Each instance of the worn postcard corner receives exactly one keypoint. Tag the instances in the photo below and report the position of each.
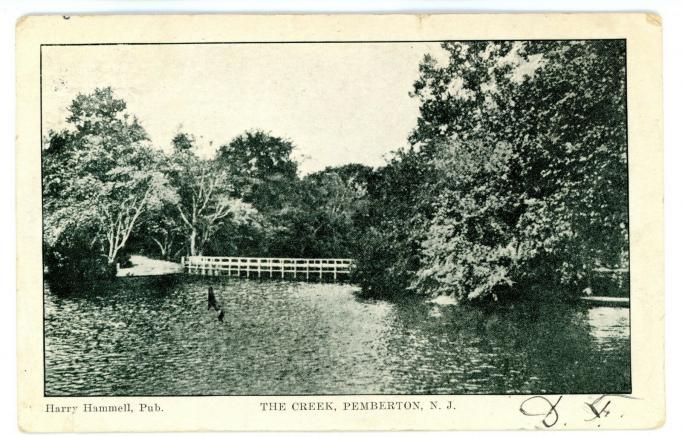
(340, 222)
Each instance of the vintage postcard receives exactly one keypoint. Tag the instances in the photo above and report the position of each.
(339, 222)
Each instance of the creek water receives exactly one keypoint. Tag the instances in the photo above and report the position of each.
(141, 337)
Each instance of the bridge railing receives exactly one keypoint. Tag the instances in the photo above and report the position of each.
(267, 266)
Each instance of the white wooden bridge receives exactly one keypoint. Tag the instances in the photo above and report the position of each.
(273, 267)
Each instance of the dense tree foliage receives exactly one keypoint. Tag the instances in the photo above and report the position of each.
(330, 207)
(262, 169)
(206, 195)
(514, 185)
(521, 148)
(99, 177)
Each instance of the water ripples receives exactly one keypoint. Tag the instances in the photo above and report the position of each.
(141, 338)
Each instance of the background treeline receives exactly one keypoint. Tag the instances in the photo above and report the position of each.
(514, 185)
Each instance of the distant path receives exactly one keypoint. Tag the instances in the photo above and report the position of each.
(144, 266)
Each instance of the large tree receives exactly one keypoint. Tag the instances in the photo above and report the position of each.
(263, 171)
(206, 195)
(530, 138)
(100, 175)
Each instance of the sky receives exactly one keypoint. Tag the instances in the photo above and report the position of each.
(337, 103)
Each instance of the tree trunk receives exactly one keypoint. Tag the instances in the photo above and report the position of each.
(163, 247)
(193, 243)
(112, 270)
(111, 258)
